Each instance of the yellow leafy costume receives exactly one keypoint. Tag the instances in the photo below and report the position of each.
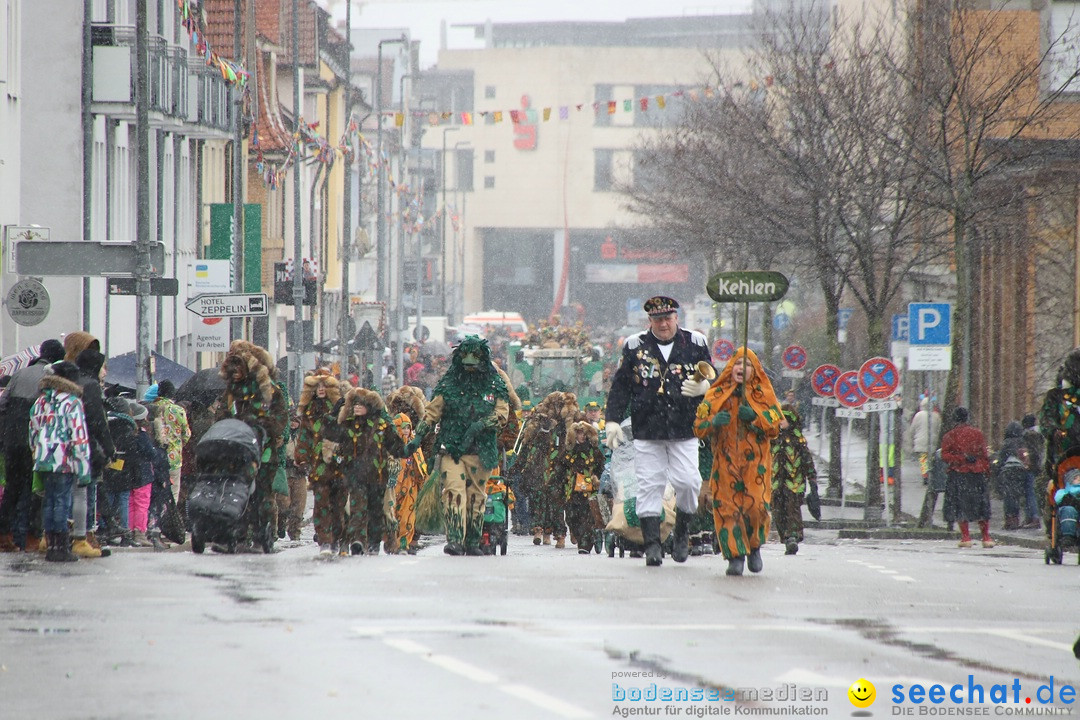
(741, 475)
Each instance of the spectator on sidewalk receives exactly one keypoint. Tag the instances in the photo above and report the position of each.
(964, 450)
(1036, 445)
(921, 438)
(61, 450)
(1012, 473)
(20, 510)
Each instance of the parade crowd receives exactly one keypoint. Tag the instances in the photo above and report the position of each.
(715, 458)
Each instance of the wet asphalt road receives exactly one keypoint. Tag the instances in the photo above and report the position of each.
(540, 633)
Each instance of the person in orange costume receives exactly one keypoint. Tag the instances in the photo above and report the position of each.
(738, 418)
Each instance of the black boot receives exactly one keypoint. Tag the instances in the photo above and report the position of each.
(650, 534)
(735, 565)
(680, 541)
(62, 553)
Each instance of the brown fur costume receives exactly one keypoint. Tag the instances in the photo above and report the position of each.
(312, 382)
(586, 459)
(255, 364)
(365, 445)
(407, 399)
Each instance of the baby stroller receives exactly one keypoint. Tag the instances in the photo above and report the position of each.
(496, 517)
(228, 458)
(1063, 493)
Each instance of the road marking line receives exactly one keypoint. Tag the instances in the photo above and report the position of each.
(903, 578)
(888, 572)
(876, 567)
(460, 667)
(479, 675)
(1015, 635)
(545, 701)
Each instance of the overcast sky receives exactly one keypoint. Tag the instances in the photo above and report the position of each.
(424, 17)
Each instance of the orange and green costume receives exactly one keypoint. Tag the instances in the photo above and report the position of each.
(741, 475)
(410, 480)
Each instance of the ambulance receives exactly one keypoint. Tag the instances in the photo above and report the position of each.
(513, 322)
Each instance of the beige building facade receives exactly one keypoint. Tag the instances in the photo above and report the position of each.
(539, 223)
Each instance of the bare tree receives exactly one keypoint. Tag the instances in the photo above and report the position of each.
(983, 97)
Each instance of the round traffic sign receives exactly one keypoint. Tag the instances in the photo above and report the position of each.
(848, 391)
(723, 349)
(823, 381)
(878, 377)
(28, 302)
(794, 357)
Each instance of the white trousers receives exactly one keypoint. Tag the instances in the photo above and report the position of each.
(658, 462)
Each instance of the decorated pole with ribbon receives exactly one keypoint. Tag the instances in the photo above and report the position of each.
(746, 286)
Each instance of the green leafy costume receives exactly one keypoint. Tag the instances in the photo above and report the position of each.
(469, 404)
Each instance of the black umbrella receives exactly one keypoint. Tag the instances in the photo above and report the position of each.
(202, 388)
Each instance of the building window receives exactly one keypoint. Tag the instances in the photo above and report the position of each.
(489, 92)
(489, 156)
(652, 115)
(603, 169)
(645, 178)
(464, 165)
(489, 182)
(604, 95)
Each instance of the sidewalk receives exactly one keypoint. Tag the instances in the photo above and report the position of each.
(850, 519)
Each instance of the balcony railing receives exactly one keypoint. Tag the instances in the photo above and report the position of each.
(179, 86)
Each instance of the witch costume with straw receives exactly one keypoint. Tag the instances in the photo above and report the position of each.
(469, 404)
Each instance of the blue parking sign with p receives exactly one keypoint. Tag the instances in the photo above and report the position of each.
(900, 328)
(929, 323)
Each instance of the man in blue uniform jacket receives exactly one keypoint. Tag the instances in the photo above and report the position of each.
(656, 381)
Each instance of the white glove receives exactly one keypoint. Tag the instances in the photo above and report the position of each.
(694, 388)
(615, 436)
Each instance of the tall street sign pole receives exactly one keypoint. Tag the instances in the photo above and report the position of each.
(142, 214)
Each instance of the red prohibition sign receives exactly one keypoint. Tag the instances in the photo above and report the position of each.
(848, 391)
(823, 380)
(723, 349)
(878, 377)
(794, 357)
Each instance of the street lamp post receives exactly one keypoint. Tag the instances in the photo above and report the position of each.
(459, 304)
(346, 241)
(445, 217)
(380, 176)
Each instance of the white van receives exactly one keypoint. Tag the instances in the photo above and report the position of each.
(513, 322)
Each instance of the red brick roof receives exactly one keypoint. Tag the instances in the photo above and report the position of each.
(273, 135)
(273, 23)
(219, 26)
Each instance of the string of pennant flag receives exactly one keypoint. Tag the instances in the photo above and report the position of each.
(306, 141)
(565, 112)
(193, 18)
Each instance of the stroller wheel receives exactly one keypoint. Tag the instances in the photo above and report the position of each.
(198, 542)
(1046, 556)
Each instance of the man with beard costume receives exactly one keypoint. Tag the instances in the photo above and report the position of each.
(469, 404)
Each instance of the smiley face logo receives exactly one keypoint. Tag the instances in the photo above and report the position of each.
(862, 693)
